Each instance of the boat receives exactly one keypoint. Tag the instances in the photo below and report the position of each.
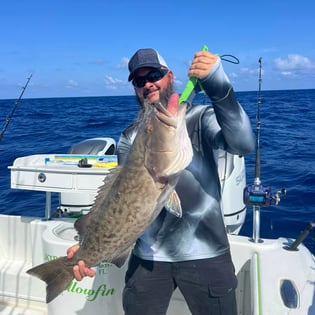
(275, 276)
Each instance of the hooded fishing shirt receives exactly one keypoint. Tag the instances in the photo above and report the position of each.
(200, 232)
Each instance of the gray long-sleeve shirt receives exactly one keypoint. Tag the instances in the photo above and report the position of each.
(200, 232)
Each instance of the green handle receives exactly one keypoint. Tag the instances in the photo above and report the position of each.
(190, 85)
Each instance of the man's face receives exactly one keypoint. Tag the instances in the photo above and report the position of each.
(154, 91)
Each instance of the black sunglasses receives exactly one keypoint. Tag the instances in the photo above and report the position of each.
(152, 76)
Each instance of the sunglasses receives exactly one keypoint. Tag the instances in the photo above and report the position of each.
(152, 76)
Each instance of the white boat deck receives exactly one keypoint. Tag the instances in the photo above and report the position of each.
(261, 268)
(271, 279)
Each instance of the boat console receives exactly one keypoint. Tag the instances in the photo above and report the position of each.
(77, 175)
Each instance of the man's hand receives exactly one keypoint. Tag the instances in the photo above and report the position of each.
(80, 270)
(202, 64)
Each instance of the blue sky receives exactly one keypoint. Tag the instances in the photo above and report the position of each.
(81, 48)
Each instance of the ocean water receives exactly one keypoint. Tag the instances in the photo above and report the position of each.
(287, 141)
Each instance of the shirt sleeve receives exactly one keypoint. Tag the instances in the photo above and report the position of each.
(235, 133)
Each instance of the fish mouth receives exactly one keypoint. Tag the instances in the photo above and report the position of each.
(168, 150)
(163, 115)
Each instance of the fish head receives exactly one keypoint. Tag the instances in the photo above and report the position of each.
(168, 147)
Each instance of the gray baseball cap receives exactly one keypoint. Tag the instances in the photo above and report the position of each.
(147, 57)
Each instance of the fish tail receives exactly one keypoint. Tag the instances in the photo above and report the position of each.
(56, 273)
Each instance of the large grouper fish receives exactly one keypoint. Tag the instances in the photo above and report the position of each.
(132, 195)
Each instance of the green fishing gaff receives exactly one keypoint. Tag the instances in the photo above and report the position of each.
(190, 85)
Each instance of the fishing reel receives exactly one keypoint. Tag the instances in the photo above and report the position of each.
(259, 195)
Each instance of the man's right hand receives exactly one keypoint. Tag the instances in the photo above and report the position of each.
(80, 270)
(202, 64)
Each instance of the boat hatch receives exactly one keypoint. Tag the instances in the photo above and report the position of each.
(289, 293)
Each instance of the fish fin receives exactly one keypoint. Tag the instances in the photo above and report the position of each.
(104, 189)
(83, 223)
(173, 205)
(121, 258)
(56, 273)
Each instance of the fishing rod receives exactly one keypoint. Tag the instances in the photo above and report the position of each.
(9, 117)
(258, 125)
(256, 194)
(294, 246)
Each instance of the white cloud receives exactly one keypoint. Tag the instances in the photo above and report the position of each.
(178, 82)
(287, 73)
(249, 71)
(112, 83)
(111, 80)
(123, 63)
(245, 70)
(294, 65)
(233, 75)
(71, 84)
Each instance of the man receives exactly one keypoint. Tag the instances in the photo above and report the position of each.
(191, 253)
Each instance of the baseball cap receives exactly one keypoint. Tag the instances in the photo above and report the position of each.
(146, 57)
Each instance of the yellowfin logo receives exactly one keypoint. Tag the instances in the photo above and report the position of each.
(91, 294)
